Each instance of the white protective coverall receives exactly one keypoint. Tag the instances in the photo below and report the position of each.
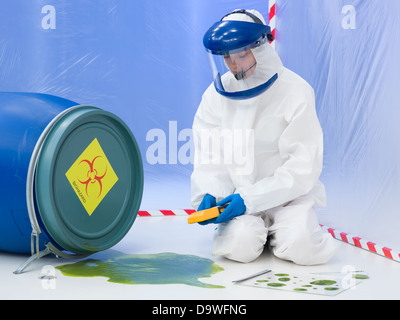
(280, 142)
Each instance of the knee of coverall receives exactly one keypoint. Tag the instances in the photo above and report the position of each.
(303, 248)
(247, 236)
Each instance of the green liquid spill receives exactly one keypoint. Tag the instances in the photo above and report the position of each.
(162, 268)
(331, 289)
(281, 275)
(360, 276)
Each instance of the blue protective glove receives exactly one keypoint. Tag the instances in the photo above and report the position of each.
(207, 203)
(235, 208)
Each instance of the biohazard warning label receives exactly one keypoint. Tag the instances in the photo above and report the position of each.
(91, 176)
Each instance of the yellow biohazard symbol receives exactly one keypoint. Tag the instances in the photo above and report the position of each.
(91, 176)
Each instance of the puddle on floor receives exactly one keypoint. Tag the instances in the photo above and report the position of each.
(161, 268)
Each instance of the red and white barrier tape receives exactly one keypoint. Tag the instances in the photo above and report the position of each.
(363, 244)
(272, 19)
(164, 213)
(342, 236)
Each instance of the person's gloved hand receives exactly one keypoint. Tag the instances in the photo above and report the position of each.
(235, 208)
(207, 203)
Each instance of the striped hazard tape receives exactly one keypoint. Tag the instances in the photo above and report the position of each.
(272, 19)
(363, 244)
(342, 236)
(165, 213)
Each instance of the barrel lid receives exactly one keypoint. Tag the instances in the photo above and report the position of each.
(89, 180)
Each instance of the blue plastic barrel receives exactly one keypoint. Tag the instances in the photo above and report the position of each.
(87, 177)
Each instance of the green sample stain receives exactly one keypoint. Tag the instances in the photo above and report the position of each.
(284, 279)
(323, 282)
(161, 268)
(331, 288)
(276, 284)
(300, 289)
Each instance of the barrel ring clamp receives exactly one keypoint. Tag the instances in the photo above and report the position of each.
(36, 254)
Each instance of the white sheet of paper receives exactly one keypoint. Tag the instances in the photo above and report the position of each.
(328, 285)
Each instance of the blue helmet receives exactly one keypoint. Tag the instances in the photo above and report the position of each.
(226, 37)
(233, 42)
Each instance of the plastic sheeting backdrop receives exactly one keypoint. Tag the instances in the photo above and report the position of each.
(144, 61)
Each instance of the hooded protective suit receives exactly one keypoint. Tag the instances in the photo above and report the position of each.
(269, 150)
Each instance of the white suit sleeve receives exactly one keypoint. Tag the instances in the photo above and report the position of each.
(301, 149)
(210, 175)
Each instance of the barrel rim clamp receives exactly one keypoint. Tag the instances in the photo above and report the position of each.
(36, 254)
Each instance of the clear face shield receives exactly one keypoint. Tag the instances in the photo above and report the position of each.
(231, 48)
(241, 64)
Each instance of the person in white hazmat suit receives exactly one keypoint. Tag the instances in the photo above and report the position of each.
(258, 149)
